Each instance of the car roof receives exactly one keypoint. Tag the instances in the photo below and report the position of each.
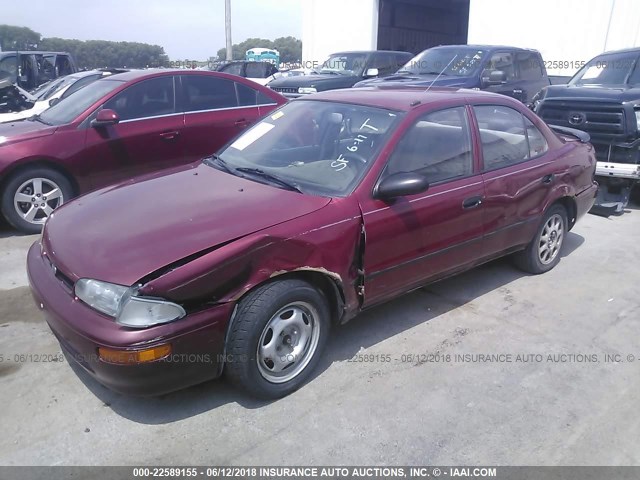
(155, 72)
(624, 50)
(488, 47)
(400, 98)
(351, 52)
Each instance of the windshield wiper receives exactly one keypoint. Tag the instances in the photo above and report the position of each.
(433, 73)
(215, 161)
(270, 177)
(38, 119)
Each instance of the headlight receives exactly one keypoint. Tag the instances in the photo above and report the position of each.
(122, 303)
(307, 90)
(104, 297)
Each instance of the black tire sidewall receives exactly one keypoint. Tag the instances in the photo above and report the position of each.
(17, 179)
(251, 378)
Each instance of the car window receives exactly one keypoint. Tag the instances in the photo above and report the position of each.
(82, 82)
(503, 61)
(265, 100)
(502, 132)
(529, 66)
(9, 68)
(208, 93)
(149, 98)
(233, 69)
(438, 146)
(323, 147)
(247, 96)
(67, 111)
(537, 143)
(384, 62)
(256, 70)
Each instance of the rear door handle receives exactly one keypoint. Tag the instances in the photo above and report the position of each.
(471, 202)
(242, 123)
(169, 135)
(547, 179)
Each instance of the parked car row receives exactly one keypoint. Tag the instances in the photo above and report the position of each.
(171, 269)
(118, 127)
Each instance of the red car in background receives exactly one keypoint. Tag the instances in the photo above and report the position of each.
(331, 205)
(117, 128)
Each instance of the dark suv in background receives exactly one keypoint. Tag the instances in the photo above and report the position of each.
(31, 69)
(515, 72)
(342, 70)
(603, 99)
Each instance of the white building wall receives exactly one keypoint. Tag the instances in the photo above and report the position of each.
(331, 26)
(562, 30)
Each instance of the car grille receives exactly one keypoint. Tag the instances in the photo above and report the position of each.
(597, 119)
(285, 89)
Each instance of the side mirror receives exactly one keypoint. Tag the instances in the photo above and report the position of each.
(402, 184)
(493, 77)
(105, 118)
(53, 101)
(371, 72)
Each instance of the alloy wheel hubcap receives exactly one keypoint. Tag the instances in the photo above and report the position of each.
(288, 342)
(36, 199)
(551, 239)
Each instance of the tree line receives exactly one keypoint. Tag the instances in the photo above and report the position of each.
(87, 53)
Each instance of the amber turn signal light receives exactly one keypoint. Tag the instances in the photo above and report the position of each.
(128, 357)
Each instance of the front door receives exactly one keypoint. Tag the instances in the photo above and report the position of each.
(417, 238)
(147, 138)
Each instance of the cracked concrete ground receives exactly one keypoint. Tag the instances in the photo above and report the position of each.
(434, 402)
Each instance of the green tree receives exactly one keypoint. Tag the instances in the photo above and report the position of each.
(18, 38)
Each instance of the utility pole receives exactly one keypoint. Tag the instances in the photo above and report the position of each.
(227, 28)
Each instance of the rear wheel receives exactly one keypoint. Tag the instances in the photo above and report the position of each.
(544, 251)
(30, 196)
(277, 338)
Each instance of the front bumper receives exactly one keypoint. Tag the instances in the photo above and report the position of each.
(197, 341)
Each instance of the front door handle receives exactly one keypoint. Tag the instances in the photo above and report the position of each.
(471, 202)
(242, 123)
(548, 179)
(169, 135)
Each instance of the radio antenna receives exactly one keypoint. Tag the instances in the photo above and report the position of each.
(440, 74)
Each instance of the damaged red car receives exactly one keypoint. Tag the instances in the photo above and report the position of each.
(328, 206)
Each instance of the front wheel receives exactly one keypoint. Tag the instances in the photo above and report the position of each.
(30, 196)
(544, 251)
(277, 338)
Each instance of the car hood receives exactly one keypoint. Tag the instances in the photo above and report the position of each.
(22, 130)
(123, 233)
(419, 80)
(618, 94)
(319, 81)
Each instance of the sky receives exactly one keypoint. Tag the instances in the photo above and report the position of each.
(187, 29)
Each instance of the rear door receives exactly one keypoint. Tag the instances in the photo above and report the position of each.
(216, 110)
(417, 238)
(531, 75)
(518, 174)
(148, 137)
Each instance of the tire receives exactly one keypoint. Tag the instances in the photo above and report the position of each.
(277, 338)
(545, 250)
(32, 185)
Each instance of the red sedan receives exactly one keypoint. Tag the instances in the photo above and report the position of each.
(330, 205)
(119, 127)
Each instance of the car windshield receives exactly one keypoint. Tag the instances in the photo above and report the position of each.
(463, 62)
(612, 69)
(66, 111)
(345, 63)
(320, 148)
(46, 91)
